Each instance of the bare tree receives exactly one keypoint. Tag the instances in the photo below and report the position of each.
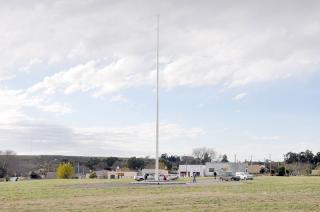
(8, 161)
(204, 154)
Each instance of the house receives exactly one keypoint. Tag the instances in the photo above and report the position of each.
(128, 175)
(190, 170)
(255, 169)
(102, 174)
(51, 175)
(105, 174)
(219, 167)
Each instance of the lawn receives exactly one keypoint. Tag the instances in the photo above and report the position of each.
(263, 193)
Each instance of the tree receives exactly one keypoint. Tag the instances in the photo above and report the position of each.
(291, 157)
(225, 158)
(302, 157)
(92, 162)
(8, 162)
(110, 161)
(308, 156)
(204, 154)
(135, 163)
(65, 171)
(316, 158)
(3, 172)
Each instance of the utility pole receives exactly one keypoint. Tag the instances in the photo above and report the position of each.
(299, 164)
(251, 160)
(284, 164)
(265, 167)
(78, 169)
(270, 163)
(235, 163)
(157, 124)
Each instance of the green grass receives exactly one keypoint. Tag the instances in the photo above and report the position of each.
(263, 193)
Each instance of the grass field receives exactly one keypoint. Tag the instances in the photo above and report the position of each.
(263, 193)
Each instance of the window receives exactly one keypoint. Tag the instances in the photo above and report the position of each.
(211, 169)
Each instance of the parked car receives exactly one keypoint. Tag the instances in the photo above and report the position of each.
(173, 177)
(150, 177)
(244, 175)
(229, 176)
(138, 178)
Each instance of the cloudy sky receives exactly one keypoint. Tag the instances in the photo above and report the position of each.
(78, 77)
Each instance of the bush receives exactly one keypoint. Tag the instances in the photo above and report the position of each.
(34, 175)
(282, 171)
(3, 172)
(93, 175)
(65, 171)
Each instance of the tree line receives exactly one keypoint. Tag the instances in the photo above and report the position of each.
(303, 157)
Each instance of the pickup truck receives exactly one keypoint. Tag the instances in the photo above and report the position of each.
(229, 176)
(244, 176)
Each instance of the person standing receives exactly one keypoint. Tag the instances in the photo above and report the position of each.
(215, 175)
(194, 177)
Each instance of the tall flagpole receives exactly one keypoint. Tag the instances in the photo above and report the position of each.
(157, 124)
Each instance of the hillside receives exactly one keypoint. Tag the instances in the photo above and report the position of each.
(23, 164)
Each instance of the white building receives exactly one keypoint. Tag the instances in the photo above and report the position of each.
(220, 167)
(190, 170)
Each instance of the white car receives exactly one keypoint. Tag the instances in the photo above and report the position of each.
(244, 175)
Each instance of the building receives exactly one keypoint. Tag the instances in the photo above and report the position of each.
(315, 172)
(51, 175)
(220, 167)
(190, 170)
(255, 169)
(105, 174)
(128, 175)
(102, 174)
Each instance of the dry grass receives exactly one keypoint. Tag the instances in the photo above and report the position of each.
(265, 193)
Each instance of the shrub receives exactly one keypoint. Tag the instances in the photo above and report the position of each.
(93, 175)
(65, 171)
(34, 175)
(3, 172)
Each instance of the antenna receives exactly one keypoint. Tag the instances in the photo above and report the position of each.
(157, 121)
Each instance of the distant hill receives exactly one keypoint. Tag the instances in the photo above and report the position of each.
(24, 164)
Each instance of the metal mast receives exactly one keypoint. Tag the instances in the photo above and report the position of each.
(157, 121)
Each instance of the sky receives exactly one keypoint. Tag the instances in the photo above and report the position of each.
(241, 77)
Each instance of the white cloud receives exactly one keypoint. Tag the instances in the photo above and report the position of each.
(122, 141)
(240, 96)
(119, 98)
(206, 43)
(12, 103)
(103, 48)
(91, 77)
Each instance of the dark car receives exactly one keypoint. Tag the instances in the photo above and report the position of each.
(229, 176)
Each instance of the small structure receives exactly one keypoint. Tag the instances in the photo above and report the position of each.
(51, 175)
(219, 167)
(190, 170)
(106, 174)
(128, 175)
(315, 172)
(102, 174)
